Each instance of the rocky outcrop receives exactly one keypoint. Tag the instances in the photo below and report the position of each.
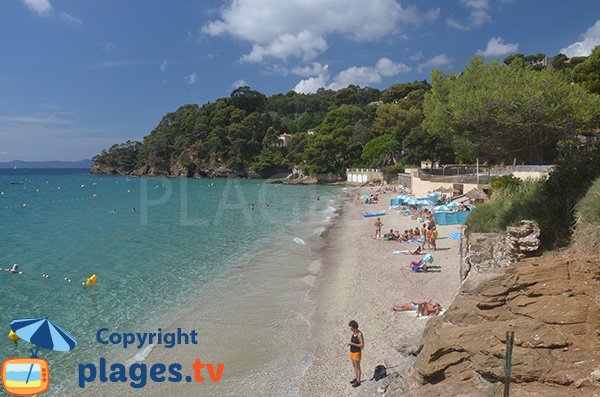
(484, 251)
(552, 305)
(521, 241)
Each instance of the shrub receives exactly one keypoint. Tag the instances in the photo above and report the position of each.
(586, 238)
(506, 207)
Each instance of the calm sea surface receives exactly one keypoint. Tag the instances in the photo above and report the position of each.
(154, 244)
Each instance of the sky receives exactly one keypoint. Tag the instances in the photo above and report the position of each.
(78, 76)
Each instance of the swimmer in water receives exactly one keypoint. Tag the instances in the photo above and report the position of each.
(14, 269)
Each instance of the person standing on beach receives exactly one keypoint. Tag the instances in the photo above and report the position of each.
(434, 236)
(378, 225)
(357, 343)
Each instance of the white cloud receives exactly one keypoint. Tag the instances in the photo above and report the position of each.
(417, 56)
(453, 23)
(435, 62)
(35, 119)
(476, 4)
(44, 8)
(386, 67)
(588, 40)
(432, 14)
(120, 63)
(299, 28)
(40, 7)
(479, 15)
(357, 75)
(191, 78)
(497, 47)
(311, 85)
(304, 45)
(239, 83)
(108, 47)
(315, 69)
(163, 66)
(70, 18)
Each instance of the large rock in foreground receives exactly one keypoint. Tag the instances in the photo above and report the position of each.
(552, 305)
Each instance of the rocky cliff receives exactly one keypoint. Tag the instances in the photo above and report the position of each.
(187, 167)
(553, 306)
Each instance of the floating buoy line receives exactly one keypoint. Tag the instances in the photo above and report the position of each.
(88, 282)
(92, 196)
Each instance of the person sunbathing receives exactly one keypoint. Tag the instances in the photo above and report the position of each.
(390, 235)
(404, 237)
(428, 308)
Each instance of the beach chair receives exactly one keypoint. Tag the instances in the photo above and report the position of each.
(421, 266)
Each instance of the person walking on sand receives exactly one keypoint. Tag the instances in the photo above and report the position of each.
(357, 343)
(378, 225)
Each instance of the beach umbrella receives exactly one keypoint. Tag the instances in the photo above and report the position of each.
(43, 333)
(411, 201)
(365, 196)
(441, 208)
(422, 202)
(454, 204)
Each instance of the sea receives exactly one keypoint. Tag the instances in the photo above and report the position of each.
(241, 254)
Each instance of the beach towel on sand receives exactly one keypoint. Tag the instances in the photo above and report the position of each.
(414, 314)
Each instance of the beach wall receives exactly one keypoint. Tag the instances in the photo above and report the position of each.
(420, 187)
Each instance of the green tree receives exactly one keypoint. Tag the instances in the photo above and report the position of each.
(339, 140)
(382, 151)
(497, 113)
(587, 73)
(392, 119)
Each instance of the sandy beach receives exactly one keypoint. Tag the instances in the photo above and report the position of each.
(353, 277)
(360, 280)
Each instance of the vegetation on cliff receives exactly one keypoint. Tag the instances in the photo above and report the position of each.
(491, 112)
(551, 203)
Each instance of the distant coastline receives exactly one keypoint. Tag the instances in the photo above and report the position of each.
(81, 164)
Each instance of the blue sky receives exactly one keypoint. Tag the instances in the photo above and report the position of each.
(77, 76)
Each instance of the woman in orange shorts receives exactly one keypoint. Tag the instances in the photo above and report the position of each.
(357, 343)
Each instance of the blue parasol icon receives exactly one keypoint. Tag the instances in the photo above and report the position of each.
(42, 333)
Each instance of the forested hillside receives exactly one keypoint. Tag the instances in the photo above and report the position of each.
(494, 112)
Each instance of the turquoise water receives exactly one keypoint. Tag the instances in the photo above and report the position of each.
(152, 242)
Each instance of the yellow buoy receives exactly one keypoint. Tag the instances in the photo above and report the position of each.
(12, 336)
(91, 280)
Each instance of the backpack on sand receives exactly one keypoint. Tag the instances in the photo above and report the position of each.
(380, 373)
